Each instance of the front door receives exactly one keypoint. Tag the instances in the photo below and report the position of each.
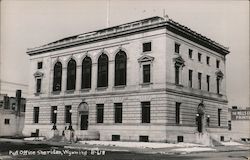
(84, 122)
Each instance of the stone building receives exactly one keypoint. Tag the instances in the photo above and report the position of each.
(148, 80)
(12, 114)
(239, 123)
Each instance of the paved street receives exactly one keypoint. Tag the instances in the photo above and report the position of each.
(13, 150)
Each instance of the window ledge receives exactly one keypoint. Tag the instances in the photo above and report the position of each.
(219, 94)
(101, 88)
(179, 85)
(119, 87)
(146, 84)
(56, 92)
(37, 94)
(85, 89)
(146, 52)
(69, 91)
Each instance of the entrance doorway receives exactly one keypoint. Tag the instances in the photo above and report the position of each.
(83, 111)
(84, 122)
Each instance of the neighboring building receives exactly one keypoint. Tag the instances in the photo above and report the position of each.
(148, 80)
(12, 115)
(9, 88)
(239, 123)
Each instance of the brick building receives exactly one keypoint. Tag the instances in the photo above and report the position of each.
(148, 80)
(12, 114)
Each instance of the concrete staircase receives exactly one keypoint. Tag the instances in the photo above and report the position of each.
(207, 139)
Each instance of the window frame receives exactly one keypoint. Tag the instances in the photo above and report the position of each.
(146, 74)
(190, 53)
(146, 48)
(208, 83)
(145, 112)
(71, 75)
(199, 57)
(120, 72)
(38, 85)
(40, 65)
(219, 116)
(177, 74)
(208, 60)
(217, 63)
(36, 115)
(199, 80)
(190, 78)
(118, 112)
(6, 121)
(99, 113)
(177, 113)
(102, 71)
(177, 47)
(86, 73)
(57, 77)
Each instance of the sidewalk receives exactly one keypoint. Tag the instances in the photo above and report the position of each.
(138, 147)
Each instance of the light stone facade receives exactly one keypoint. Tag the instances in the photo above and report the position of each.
(161, 92)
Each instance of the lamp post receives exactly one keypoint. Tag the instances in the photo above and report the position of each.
(54, 125)
(196, 118)
(70, 122)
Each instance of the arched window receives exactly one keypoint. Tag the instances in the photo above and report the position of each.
(86, 72)
(102, 78)
(120, 68)
(57, 81)
(71, 75)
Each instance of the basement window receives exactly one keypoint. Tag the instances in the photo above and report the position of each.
(6, 121)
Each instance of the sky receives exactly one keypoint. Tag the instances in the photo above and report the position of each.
(27, 24)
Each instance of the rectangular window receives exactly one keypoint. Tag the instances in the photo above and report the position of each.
(199, 57)
(118, 112)
(146, 47)
(229, 125)
(143, 138)
(115, 137)
(177, 112)
(145, 112)
(36, 115)
(219, 117)
(177, 74)
(217, 64)
(39, 65)
(6, 121)
(218, 85)
(146, 73)
(190, 53)
(180, 139)
(100, 112)
(208, 83)
(53, 114)
(190, 78)
(177, 48)
(208, 60)
(38, 85)
(199, 80)
(67, 114)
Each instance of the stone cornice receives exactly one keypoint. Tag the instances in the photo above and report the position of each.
(128, 29)
(122, 93)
